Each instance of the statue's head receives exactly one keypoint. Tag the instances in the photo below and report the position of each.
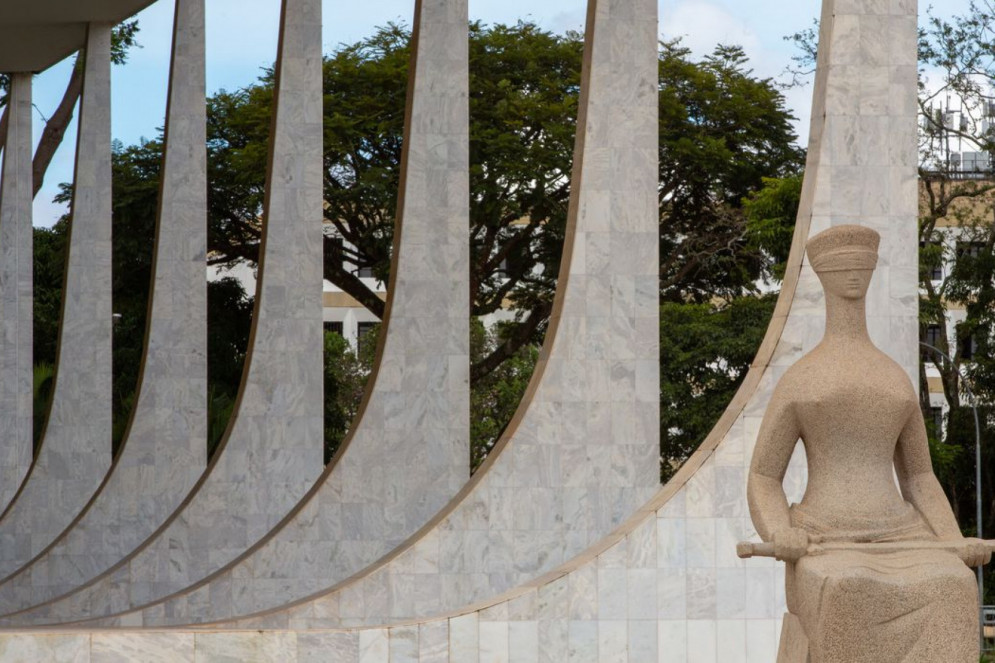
(844, 257)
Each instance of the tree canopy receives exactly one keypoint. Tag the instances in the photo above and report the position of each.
(724, 134)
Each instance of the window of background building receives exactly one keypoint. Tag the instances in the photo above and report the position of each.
(335, 327)
(970, 249)
(365, 273)
(933, 335)
(968, 345)
(363, 336)
(936, 274)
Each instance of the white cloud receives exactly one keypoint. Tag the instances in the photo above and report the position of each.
(701, 25)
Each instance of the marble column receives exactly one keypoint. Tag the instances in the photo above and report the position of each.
(16, 293)
(75, 449)
(408, 452)
(271, 454)
(582, 453)
(164, 450)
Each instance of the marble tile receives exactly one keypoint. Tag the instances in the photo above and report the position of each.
(75, 451)
(16, 290)
(165, 450)
(54, 648)
(151, 647)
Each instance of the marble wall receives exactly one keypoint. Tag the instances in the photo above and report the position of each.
(16, 292)
(557, 550)
(75, 451)
(271, 453)
(408, 453)
(164, 450)
(582, 453)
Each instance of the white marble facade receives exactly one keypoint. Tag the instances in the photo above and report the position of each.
(271, 453)
(417, 411)
(16, 292)
(75, 450)
(552, 552)
(164, 449)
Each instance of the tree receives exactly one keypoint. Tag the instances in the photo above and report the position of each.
(699, 377)
(707, 348)
(722, 131)
(123, 38)
(524, 85)
(346, 375)
(496, 397)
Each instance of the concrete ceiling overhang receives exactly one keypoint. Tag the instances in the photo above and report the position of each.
(35, 34)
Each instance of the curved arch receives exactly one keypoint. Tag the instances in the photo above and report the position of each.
(74, 454)
(582, 450)
(16, 293)
(392, 473)
(163, 451)
(272, 450)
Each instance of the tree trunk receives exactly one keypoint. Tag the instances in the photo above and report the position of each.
(55, 128)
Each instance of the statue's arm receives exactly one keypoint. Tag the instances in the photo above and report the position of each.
(776, 442)
(920, 486)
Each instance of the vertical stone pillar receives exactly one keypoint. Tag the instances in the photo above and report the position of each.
(16, 293)
(75, 450)
(862, 168)
(271, 454)
(863, 158)
(407, 454)
(164, 449)
(582, 452)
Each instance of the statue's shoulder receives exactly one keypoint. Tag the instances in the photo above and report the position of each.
(798, 375)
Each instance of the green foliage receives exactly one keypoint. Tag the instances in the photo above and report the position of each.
(770, 222)
(220, 406)
(42, 381)
(705, 352)
(49, 267)
(722, 131)
(495, 398)
(229, 320)
(345, 380)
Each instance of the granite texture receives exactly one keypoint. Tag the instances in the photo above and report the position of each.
(165, 448)
(16, 292)
(872, 589)
(271, 453)
(408, 453)
(582, 452)
(75, 450)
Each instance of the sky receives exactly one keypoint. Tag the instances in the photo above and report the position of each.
(242, 39)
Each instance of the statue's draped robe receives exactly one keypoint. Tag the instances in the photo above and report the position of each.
(908, 607)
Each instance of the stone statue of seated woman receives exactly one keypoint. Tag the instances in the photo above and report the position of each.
(877, 570)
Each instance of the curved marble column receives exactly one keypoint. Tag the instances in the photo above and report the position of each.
(164, 450)
(75, 451)
(408, 454)
(16, 293)
(272, 451)
(582, 453)
(667, 585)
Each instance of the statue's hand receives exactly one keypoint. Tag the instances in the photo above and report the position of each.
(790, 545)
(976, 553)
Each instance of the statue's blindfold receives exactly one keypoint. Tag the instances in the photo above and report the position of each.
(845, 260)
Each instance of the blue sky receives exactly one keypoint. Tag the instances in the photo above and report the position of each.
(241, 37)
